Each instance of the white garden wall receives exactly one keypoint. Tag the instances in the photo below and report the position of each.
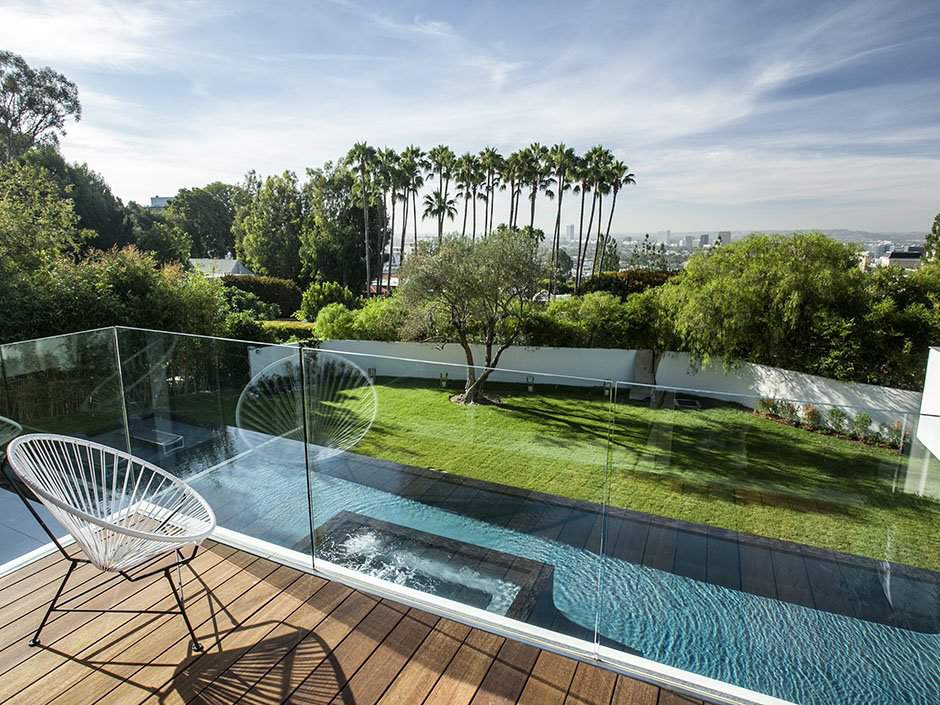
(883, 404)
(751, 382)
(574, 366)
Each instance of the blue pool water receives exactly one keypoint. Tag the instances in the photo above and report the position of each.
(793, 652)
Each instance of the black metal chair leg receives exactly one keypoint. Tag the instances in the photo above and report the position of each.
(35, 640)
(179, 601)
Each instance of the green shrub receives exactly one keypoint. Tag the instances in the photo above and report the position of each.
(893, 435)
(244, 301)
(381, 319)
(630, 281)
(121, 287)
(336, 322)
(788, 412)
(283, 292)
(838, 421)
(243, 326)
(767, 406)
(290, 331)
(861, 426)
(321, 294)
(811, 417)
(595, 320)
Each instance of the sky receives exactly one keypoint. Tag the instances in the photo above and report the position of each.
(732, 115)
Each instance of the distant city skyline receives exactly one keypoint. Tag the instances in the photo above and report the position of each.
(792, 115)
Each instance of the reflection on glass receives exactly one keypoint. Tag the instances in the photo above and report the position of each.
(747, 538)
(496, 505)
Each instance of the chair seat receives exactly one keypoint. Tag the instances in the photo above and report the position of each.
(121, 510)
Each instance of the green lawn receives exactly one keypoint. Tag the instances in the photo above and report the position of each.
(723, 466)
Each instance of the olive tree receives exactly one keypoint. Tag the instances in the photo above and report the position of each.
(478, 292)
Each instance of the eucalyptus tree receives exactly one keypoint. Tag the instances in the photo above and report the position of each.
(491, 161)
(362, 158)
(563, 161)
(441, 161)
(620, 176)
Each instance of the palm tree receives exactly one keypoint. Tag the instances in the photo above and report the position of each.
(512, 173)
(620, 176)
(436, 205)
(387, 168)
(409, 172)
(491, 162)
(441, 162)
(537, 173)
(417, 183)
(463, 174)
(582, 174)
(593, 161)
(562, 160)
(362, 158)
(477, 180)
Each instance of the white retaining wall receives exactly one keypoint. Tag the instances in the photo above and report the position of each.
(569, 363)
(753, 382)
(883, 404)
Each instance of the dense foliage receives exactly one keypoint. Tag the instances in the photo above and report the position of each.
(270, 226)
(283, 293)
(627, 282)
(321, 294)
(207, 214)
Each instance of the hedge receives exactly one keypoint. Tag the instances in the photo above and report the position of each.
(290, 331)
(283, 292)
(627, 282)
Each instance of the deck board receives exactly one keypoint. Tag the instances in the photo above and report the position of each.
(272, 635)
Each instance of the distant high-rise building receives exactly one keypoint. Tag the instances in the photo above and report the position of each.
(689, 242)
(703, 240)
(569, 231)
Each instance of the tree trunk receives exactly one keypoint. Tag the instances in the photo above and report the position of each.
(492, 207)
(610, 218)
(556, 241)
(365, 230)
(577, 264)
(587, 238)
(474, 215)
(391, 245)
(533, 196)
(404, 230)
(414, 216)
(512, 199)
(463, 230)
(598, 253)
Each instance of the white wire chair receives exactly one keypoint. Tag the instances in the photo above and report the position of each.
(122, 511)
(337, 395)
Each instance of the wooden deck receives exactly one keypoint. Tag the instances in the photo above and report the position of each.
(272, 634)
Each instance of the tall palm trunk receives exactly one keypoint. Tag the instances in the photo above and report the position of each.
(577, 273)
(414, 215)
(474, 215)
(492, 204)
(587, 238)
(532, 196)
(598, 252)
(404, 229)
(463, 230)
(391, 247)
(610, 218)
(512, 199)
(556, 240)
(365, 228)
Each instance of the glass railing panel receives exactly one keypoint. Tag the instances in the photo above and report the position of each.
(496, 505)
(226, 416)
(763, 543)
(68, 385)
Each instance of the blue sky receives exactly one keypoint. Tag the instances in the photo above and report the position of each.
(732, 115)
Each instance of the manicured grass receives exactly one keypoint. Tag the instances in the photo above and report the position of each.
(723, 466)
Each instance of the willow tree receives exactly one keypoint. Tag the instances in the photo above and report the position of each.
(478, 291)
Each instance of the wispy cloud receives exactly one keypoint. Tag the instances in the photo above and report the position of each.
(732, 115)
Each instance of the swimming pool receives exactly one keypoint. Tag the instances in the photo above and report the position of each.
(783, 648)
